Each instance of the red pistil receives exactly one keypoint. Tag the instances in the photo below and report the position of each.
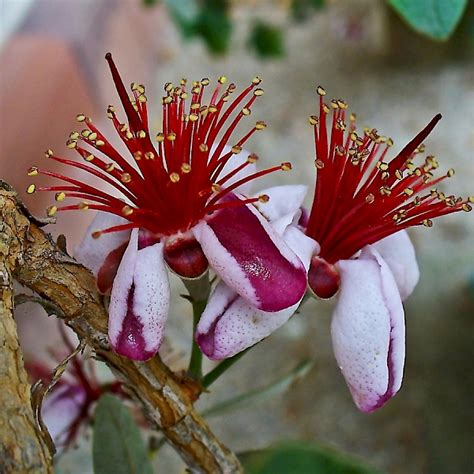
(168, 187)
(360, 198)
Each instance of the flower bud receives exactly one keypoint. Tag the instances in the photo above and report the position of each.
(184, 256)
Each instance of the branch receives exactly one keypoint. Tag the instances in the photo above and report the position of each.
(167, 399)
(22, 448)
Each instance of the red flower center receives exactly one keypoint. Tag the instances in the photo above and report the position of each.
(169, 186)
(360, 197)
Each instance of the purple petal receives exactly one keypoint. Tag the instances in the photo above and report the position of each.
(399, 254)
(139, 301)
(102, 256)
(368, 330)
(252, 258)
(230, 324)
(61, 409)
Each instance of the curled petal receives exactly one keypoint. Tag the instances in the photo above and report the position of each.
(398, 252)
(230, 324)
(60, 410)
(102, 255)
(368, 330)
(284, 204)
(139, 301)
(252, 258)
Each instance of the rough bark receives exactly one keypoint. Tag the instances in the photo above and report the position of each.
(167, 399)
(22, 449)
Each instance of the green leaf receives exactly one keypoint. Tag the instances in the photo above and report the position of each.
(301, 458)
(117, 445)
(185, 14)
(435, 18)
(267, 40)
(214, 25)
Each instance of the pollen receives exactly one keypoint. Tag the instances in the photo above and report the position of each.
(48, 153)
(141, 134)
(186, 168)
(33, 171)
(260, 125)
(321, 91)
(110, 167)
(171, 137)
(263, 198)
(80, 117)
(256, 80)
(125, 178)
(92, 136)
(246, 111)
(174, 177)
(236, 149)
(252, 158)
(319, 164)
(203, 147)
(450, 173)
(99, 143)
(96, 234)
(313, 120)
(31, 188)
(127, 211)
(60, 196)
(71, 144)
(258, 92)
(222, 80)
(427, 223)
(51, 210)
(83, 206)
(286, 166)
(89, 157)
(149, 155)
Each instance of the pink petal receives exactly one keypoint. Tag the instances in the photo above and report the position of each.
(230, 324)
(234, 162)
(284, 204)
(247, 253)
(102, 256)
(368, 330)
(399, 254)
(139, 301)
(61, 409)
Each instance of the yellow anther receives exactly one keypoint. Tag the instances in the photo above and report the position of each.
(398, 174)
(80, 117)
(171, 136)
(252, 158)
(33, 171)
(450, 173)
(174, 177)
(353, 117)
(128, 135)
(408, 191)
(48, 153)
(203, 147)
(89, 157)
(110, 167)
(212, 109)
(71, 144)
(441, 196)
(313, 120)
(60, 196)
(99, 143)
(216, 188)
(428, 223)
(471, 199)
(321, 91)
(334, 104)
(195, 106)
(319, 164)
(149, 155)
(142, 98)
(193, 117)
(341, 104)
(246, 111)
(385, 175)
(160, 137)
(92, 136)
(285, 166)
(134, 86)
(205, 81)
(125, 178)
(74, 135)
(258, 92)
(138, 155)
(389, 142)
(222, 80)
(256, 80)
(127, 210)
(168, 87)
(51, 210)
(184, 95)
(263, 198)
(385, 191)
(86, 133)
(236, 149)
(167, 100)
(370, 198)
(83, 206)
(186, 168)
(141, 134)
(31, 188)
(260, 125)
(466, 207)
(96, 234)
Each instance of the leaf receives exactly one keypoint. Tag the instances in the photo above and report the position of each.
(117, 446)
(262, 394)
(214, 25)
(435, 18)
(185, 14)
(267, 40)
(301, 458)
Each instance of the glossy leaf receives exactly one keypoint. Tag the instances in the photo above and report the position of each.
(117, 445)
(435, 18)
(301, 458)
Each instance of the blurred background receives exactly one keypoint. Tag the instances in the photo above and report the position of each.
(396, 68)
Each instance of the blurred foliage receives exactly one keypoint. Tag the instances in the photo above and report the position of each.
(117, 446)
(211, 21)
(435, 18)
(301, 458)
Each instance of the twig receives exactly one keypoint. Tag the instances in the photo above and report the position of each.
(167, 399)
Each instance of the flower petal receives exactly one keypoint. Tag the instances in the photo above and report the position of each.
(229, 324)
(398, 252)
(102, 256)
(139, 301)
(368, 330)
(252, 258)
(61, 409)
(284, 203)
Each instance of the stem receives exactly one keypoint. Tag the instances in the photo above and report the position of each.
(199, 290)
(217, 371)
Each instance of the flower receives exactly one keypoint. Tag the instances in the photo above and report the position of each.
(361, 209)
(181, 204)
(69, 406)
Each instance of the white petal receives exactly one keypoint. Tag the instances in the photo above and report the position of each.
(368, 330)
(398, 251)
